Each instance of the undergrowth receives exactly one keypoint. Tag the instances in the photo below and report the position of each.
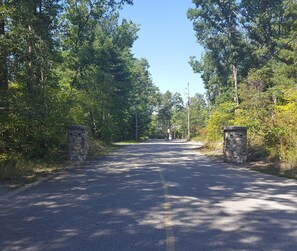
(259, 159)
(18, 168)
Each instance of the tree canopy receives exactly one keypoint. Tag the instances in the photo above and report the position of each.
(250, 58)
(69, 62)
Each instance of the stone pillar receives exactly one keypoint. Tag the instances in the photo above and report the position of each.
(77, 143)
(235, 144)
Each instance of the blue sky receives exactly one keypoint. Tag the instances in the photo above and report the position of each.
(166, 40)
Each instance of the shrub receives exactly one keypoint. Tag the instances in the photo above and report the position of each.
(222, 115)
(286, 121)
(13, 167)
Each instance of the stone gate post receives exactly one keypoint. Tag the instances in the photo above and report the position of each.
(235, 144)
(77, 142)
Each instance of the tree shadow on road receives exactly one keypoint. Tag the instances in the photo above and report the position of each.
(118, 203)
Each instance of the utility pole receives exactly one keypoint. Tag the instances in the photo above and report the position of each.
(188, 105)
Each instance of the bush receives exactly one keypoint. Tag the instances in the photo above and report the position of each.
(286, 121)
(222, 115)
(13, 167)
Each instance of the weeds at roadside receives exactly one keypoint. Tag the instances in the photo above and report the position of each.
(258, 160)
(16, 170)
(99, 149)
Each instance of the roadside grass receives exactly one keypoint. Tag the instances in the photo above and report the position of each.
(98, 149)
(213, 150)
(257, 160)
(123, 143)
(16, 170)
(273, 169)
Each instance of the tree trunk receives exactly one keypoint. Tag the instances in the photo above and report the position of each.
(232, 37)
(30, 67)
(235, 72)
(3, 66)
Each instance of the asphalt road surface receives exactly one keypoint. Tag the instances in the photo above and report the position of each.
(153, 196)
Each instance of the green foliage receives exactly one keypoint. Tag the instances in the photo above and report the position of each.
(143, 98)
(218, 29)
(259, 39)
(222, 115)
(13, 167)
(99, 148)
(286, 121)
(70, 62)
(198, 113)
(17, 170)
(171, 114)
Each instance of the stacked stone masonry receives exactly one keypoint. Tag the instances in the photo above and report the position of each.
(235, 144)
(77, 143)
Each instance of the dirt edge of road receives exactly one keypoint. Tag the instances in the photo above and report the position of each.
(263, 165)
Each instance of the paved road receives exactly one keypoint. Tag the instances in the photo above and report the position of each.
(156, 196)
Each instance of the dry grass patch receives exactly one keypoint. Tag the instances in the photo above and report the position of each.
(257, 160)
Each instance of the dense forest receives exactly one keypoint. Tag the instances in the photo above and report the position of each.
(70, 62)
(249, 70)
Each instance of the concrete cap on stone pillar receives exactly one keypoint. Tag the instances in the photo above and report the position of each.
(234, 128)
(76, 127)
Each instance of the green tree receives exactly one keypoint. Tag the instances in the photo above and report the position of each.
(3, 55)
(30, 60)
(67, 62)
(165, 111)
(198, 112)
(217, 29)
(143, 99)
(170, 114)
(96, 60)
(258, 39)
